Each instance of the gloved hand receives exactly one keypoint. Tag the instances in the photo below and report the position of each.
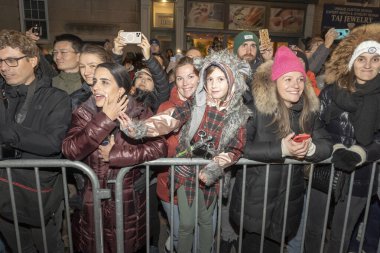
(210, 173)
(345, 160)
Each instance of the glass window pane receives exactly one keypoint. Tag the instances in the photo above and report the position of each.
(35, 14)
(27, 4)
(163, 15)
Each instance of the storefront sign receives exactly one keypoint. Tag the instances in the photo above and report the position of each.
(343, 16)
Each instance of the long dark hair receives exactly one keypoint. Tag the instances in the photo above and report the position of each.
(120, 74)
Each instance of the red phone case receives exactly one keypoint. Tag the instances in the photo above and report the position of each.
(301, 137)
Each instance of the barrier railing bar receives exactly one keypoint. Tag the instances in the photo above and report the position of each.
(365, 219)
(287, 193)
(14, 213)
(349, 196)
(67, 208)
(267, 167)
(40, 208)
(171, 208)
(328, 201)
(147, 215)
(218, 230)
(242, 209)
(196, 233)
(310, 176)
(119, 208)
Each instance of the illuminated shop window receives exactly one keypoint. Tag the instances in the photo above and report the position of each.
(163, 14)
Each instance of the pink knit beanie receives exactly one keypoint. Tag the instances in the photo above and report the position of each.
(286, 61)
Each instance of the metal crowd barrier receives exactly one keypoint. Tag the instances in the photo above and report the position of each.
(244, 163)
(61, 164)
(99, 194)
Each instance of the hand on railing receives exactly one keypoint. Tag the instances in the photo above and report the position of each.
(347, 159)
(210, 173)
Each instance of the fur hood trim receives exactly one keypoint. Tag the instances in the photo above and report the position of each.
(264, 91)
(337, 66)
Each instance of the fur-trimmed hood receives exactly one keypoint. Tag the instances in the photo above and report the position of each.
(337, 66)
(264, 91)
(230, 64)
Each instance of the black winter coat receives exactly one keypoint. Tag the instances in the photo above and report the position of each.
(265, 146)
(39, 136)
(342, 131)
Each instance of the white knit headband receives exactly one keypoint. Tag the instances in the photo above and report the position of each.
(369, 46)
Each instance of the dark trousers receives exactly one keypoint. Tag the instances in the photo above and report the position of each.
(315, 221)
(31, 237)
(372, 232)
(251, 244)
(154, 217)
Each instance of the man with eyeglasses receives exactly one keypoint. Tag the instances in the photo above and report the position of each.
(34, 118)
(66, 54)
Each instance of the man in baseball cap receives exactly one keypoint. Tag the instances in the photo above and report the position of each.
(154, 46)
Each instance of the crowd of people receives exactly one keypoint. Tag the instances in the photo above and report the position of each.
(109, 110)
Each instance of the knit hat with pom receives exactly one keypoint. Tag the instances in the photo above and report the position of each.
(286, 61)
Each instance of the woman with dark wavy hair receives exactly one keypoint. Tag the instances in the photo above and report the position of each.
(95, 138)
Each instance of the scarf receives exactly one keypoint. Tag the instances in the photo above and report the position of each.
(363, 107)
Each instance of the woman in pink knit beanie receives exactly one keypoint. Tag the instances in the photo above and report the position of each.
(284, 106)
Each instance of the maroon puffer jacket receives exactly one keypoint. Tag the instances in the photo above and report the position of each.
(89, 128)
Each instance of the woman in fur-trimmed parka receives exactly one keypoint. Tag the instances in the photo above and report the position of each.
(350, 109)
(284, 105)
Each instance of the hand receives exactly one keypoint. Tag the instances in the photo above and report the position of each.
(266, 52)
(210, 173)
(105, 150)
(114, 108)
(125, 121)
(145, 47)
(295, 149)
(330, 36)
(118, 44)
(31, 35)
(345, 159)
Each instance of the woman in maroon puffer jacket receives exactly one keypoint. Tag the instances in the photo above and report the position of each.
(95, 139)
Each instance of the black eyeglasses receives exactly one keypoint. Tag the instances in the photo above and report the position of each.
(12, 62)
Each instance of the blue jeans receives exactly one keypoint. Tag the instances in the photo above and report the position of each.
(294, 245)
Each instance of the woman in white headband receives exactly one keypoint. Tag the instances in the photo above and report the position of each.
(350, 108)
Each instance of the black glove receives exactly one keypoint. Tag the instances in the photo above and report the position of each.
(345, 159)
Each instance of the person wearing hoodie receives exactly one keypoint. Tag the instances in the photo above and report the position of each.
(350, 109)
(284, 106)
(213, 127)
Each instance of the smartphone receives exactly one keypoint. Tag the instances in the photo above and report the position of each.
(131, 37)
(342, 33)
(37, 30)
(301, 137)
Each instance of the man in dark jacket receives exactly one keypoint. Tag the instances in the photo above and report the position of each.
(34, 118)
